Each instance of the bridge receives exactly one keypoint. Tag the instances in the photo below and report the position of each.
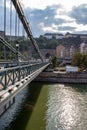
(17, 72)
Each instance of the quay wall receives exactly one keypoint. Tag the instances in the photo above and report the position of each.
(51, 77)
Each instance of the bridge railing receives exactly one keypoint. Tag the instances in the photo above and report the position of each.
(10, 76)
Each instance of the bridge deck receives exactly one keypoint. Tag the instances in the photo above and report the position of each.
(18, 79)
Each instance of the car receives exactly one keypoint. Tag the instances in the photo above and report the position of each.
(84, 71)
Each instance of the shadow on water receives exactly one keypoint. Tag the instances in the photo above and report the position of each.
(26, 108)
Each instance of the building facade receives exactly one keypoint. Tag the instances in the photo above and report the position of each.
(82, 36)
(53, 35)
(60, 51)
(83, 48)
(65, 52)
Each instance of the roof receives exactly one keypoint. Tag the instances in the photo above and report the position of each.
(59, 34)
(75, 34)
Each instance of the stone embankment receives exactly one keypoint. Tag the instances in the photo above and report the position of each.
(51, 77)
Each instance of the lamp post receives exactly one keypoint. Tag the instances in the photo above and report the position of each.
(17, 47)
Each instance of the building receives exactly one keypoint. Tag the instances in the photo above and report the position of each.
(82, 36)
(72, 51)
(83, 48)
(65, 52)
(54, 35)
(60, 51)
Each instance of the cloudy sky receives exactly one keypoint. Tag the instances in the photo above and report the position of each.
(55, 16)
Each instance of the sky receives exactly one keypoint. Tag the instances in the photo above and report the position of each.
(55, 16)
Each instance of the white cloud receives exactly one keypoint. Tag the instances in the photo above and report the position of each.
(61, 14)
(52, 28)
(54, 15)
(46, 18)
(81, 27)
(67, 18)
(41, 4)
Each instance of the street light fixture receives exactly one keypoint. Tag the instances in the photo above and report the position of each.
(17, 47)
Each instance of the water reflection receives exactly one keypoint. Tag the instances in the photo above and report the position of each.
(55, 107)
(67, 108)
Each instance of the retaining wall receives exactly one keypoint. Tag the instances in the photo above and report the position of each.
(62, 78)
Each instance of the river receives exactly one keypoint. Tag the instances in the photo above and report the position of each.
(48, 107)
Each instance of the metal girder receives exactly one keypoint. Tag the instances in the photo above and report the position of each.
(11, 48)
(10, 76)
(25, 23)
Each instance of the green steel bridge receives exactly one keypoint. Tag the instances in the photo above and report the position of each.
(15, 76)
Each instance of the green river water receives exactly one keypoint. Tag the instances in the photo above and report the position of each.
(48, 107)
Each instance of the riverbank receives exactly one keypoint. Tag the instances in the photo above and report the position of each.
(53, 77)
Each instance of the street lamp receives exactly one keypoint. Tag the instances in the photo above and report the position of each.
(17, 47)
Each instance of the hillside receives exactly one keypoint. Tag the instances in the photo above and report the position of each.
(53, 43)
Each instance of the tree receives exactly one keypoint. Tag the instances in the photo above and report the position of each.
(54, 61)
(84, 62)
(80, 60)
(77, 59)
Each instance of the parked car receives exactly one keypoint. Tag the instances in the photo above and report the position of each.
(84, 71)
